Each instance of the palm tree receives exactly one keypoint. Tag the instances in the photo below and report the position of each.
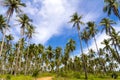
(112, 6)
(24, 21)
(9, 38)
(85, 37)
(49, 52)
(106, 23)
(71, 45)
(115, 40)
(12, 5)
(92, 32)
(107, 47)
(91, 64)
(76, 20)
(58, 52)
(29, 33)
(3, 26)
(3, 23)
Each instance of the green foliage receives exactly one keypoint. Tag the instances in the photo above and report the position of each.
(45, 74)
(35, 73)
(69, 74)
(20, 77)
(76, 75)
(114, 76)
(8, 77)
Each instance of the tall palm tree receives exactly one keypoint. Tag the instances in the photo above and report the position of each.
(58, 53)
(3, 26)
(106, 23)
(112, 6)
(85, 36)
(71, 45)
(92, 32)
(24, 21)
(29, 33)
(49, 52)
(115, 42)
(3, 23)
(76, 20)
(12, 5)
(9, 38)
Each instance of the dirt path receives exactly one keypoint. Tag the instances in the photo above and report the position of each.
(45, 78)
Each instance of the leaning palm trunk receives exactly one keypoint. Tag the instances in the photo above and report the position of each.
(3, 39)
(4, 33)
(96, 46)
(83, 60)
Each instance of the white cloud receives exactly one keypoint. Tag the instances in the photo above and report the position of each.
(49, 16)
(52, 15)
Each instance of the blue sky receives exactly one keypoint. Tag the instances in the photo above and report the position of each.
(51, 19)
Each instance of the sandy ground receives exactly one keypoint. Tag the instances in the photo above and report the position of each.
(45, 78)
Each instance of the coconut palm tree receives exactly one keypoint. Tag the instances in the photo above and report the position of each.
(12, 5)
(9, 38)
(85, 37)
(49, 52)
(91, 26)
(71, 45)
(58, 53)
(24, 21)
(3, 26)
(115, 40)
(112, 6)
(106, 23)
(29, 33)
(107, 47)
(3, 23)
(76, 20)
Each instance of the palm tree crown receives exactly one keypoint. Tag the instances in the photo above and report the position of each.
(13, 5)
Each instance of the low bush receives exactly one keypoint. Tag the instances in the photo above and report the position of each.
(114, 76)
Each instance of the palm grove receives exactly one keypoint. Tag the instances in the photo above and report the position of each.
(24, 57)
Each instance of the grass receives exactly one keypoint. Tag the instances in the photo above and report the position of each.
(78, 76)
(20, 77)
(46, 74)
(61, 76)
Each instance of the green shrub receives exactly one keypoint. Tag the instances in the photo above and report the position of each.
(8, 77)
(62, 74)
(114, 76)
(76, 75)
(35, 73)
(21, 77)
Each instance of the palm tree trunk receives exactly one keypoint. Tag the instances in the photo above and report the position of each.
(27, 58)
(96, 46)
(3, 39)
(83, 60)
(17, 59)
(4, 33)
